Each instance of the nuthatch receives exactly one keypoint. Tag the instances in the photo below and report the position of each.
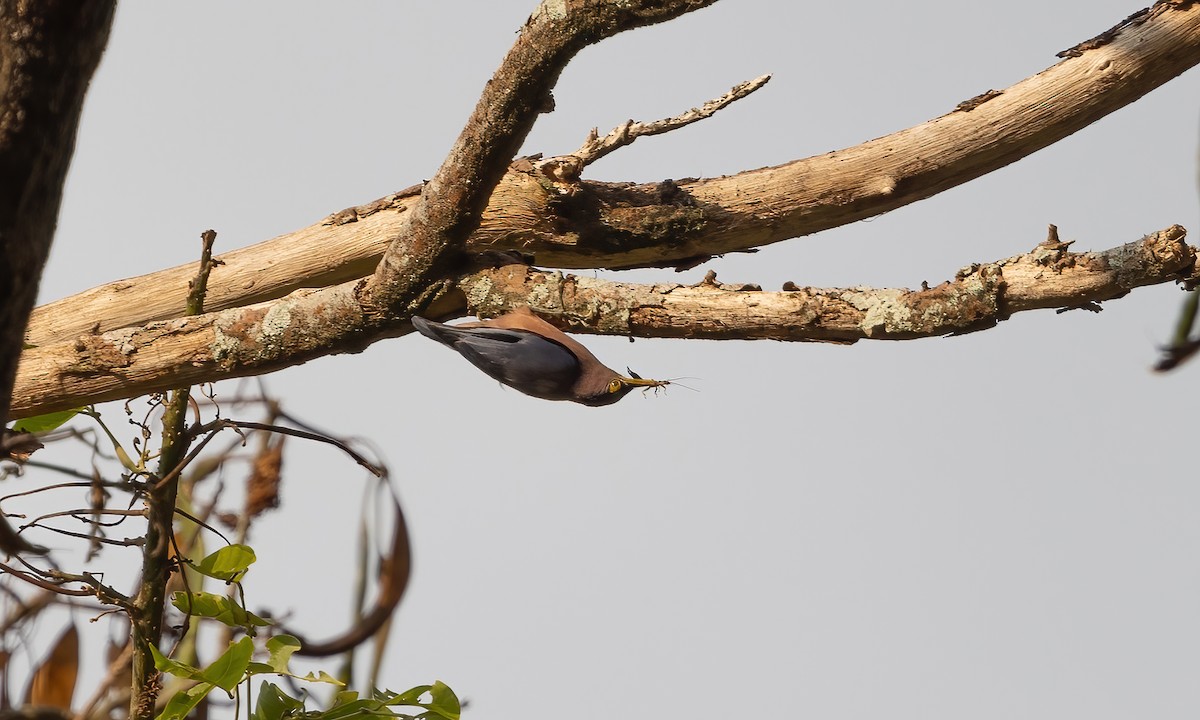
(529, 354)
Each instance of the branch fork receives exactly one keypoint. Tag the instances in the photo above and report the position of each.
(568, 168)
(477, 203)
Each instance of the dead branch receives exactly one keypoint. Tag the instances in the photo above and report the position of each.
(377, 470)
(567, 168)
(250, 341)
(980, 296)
(33, 579)
(419, 256)
(590, 224)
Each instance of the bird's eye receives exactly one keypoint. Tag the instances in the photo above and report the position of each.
(615, 386)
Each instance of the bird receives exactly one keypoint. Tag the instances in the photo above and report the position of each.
(530, 355)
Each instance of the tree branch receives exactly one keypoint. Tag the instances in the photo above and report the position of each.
(568, 168)
(590, 224)
(418, 265)
(258, 339)
(980, 296)
(451, 204)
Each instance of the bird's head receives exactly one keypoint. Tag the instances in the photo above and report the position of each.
(619, 387)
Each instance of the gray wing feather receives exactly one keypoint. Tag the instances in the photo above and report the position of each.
(523, 360)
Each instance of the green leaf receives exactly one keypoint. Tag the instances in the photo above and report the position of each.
(44, 423)
(227, 671)
(281, 648)
(443, 701)
(347, 704)
(273, 703)
(412, 696)
(321, 676)
(442, 704)
(174, 667)
(183, 701)
(343, 697)
(217, 607)
(228, 564)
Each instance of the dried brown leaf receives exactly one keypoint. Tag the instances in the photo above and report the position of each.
(53, 683)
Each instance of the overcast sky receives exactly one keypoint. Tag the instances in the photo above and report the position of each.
(993, 526)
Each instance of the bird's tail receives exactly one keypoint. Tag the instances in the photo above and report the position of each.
(434, 330)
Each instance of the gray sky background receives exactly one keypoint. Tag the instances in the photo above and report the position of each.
(993, 526)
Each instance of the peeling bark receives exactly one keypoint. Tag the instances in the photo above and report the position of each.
(980, 296)
(251, 341)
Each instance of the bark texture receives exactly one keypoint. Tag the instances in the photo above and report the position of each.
(254, 340)
(48, 52)
(128, 338)
(451, 204)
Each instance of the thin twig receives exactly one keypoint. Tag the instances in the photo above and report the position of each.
(211, 428)
(44, 584)
(59, 486)
(624, 134)
(199, 285)
(87, 511)
(372, 468)
(127, 542)
(69, 471)
(202, 524)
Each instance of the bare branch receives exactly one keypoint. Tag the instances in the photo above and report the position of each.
(451, 204)
(417, 267)
(568, 167)
(376, 470)
(92, 537)
(33, 579)
(980, 296)
(699, 217)
(136, 361)
(105, 594)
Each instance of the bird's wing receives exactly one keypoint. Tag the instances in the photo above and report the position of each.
(520, 359)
